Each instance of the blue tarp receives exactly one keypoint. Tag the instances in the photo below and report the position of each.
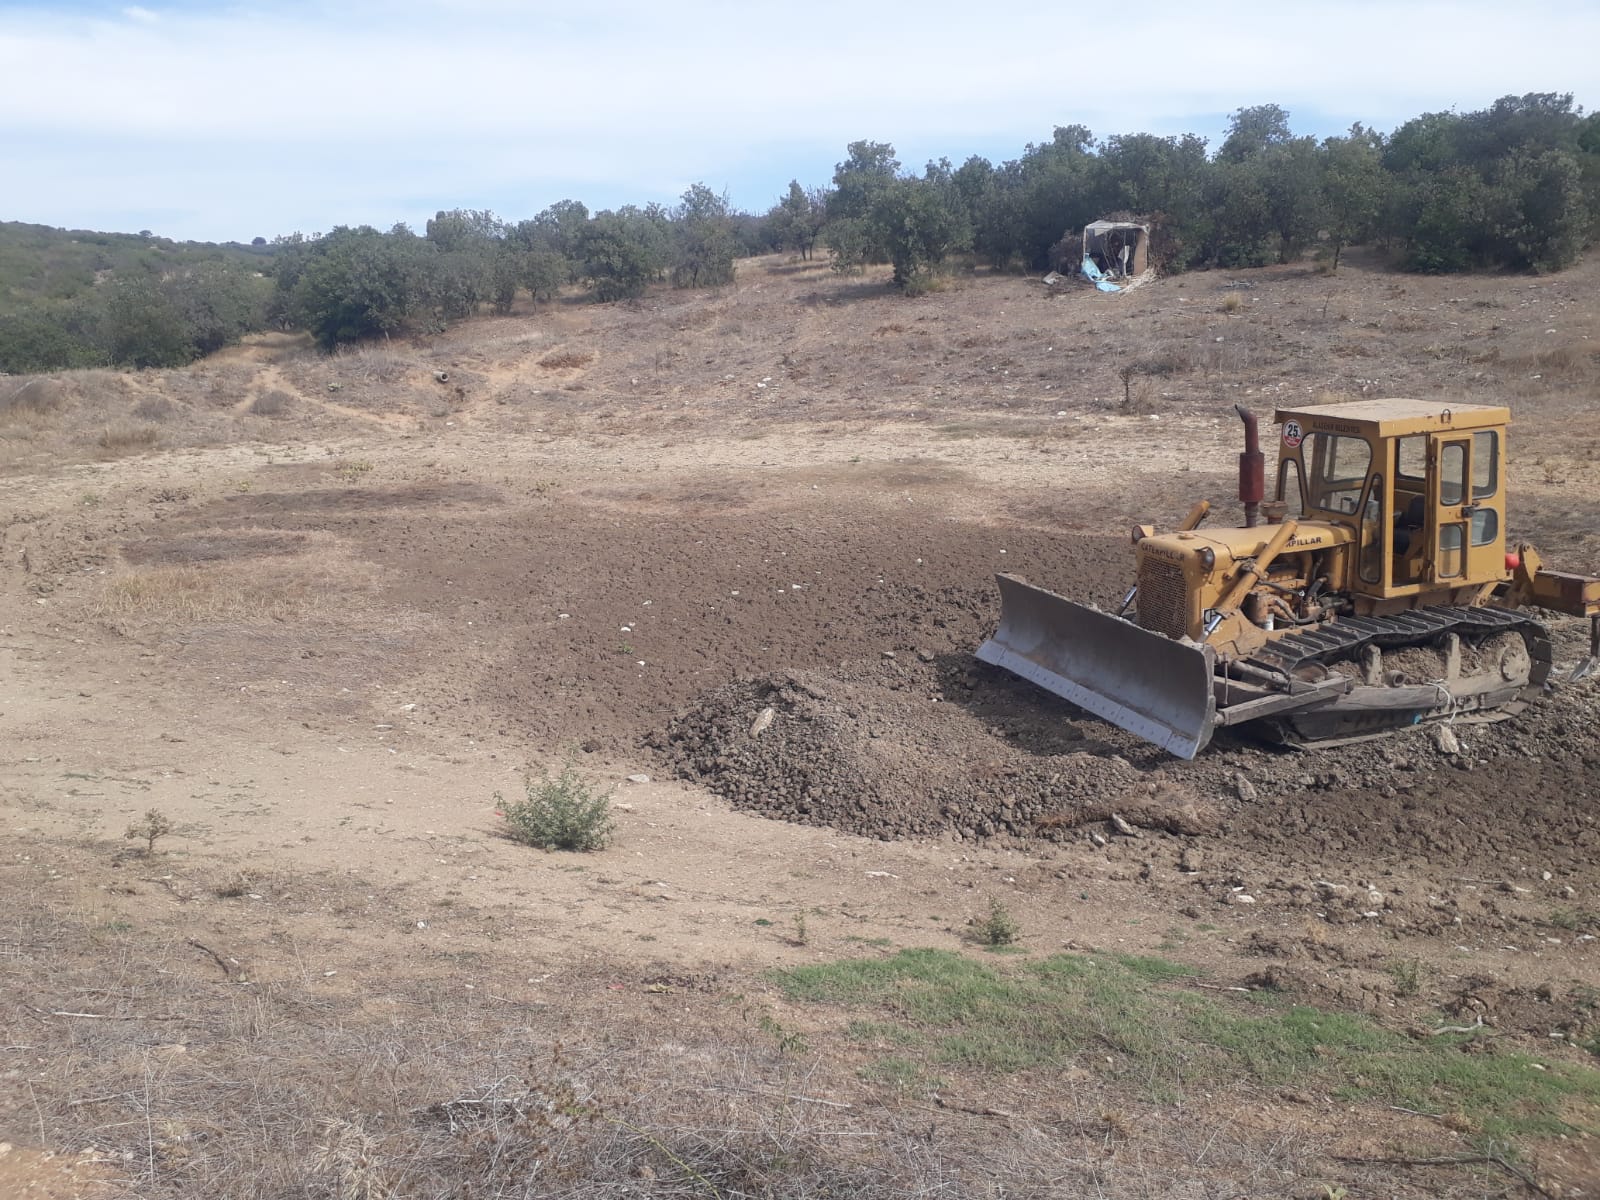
(1094, 275)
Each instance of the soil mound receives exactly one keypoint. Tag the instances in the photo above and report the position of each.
(880, 751)
(921, 745)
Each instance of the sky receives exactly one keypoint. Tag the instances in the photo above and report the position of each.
(230, 121)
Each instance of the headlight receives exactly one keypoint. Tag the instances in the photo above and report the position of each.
(1208, 557)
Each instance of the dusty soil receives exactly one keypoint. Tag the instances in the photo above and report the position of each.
(322, 640)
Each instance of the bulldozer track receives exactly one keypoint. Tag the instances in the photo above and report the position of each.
(1334, 725)
(1344, 638)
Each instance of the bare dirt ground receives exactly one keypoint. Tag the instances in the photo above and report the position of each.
(320, 611)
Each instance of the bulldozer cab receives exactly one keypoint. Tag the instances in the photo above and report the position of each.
(1421, 485)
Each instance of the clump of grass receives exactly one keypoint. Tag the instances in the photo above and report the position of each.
(353, 469)
(272, 404)
(560, 813)
(1407, 976)
(999, 928)
(1566, 363)
(1168, 360)
(236, 887)
(354, 1159)
(1575, 920)
(154, 824)
(563, 360)
(925, 283)
(1232, 303)
(154, 408)
(187, 593)
(228, 591)
(376, 363)
(32, 396)
(787, 1041)
(127, 439)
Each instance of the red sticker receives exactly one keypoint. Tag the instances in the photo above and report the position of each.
(1291, 434)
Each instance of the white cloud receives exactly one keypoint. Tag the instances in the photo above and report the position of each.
(313, 114)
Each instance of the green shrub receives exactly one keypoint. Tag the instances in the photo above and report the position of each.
(563, 813)
(999, 928)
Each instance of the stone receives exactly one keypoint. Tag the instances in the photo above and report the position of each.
(763, 721)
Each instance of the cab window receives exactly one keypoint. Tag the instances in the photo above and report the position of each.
(1337, 471)
(1485, 464)
(1452, 559)
(1485, 526)
(1373, 529)
(1452, 473)
(1411, 454)
(1289, 490)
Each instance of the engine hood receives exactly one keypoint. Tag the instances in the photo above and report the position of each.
(1231, 545)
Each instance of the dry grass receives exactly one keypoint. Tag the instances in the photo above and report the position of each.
(1569, 363)
(120, 439)
(566, 360)
(503, 345)
(289, 588)
(377, 364)
(78, 416)
(39, 394)
(26, 424)
(154, 408)
(219, 1061)
(274, 403)
(206, 385)
(194, 595)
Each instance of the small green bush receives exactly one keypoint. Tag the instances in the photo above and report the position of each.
(563, 813)
(999, 928)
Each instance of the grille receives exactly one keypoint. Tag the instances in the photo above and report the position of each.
(1163, 600)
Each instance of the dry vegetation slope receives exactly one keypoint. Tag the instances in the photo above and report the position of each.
(317, 610)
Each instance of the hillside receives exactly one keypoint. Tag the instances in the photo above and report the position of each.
(728, 552)
(41, 265)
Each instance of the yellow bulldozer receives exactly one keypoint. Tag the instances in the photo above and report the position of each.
(1372, 593)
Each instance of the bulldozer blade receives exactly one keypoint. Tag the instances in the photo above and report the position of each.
(1152, 686)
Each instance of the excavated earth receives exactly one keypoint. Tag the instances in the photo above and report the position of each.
(924, 745)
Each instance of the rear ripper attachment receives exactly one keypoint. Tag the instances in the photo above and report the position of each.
(1385, 601)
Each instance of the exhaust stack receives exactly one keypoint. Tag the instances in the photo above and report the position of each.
(1252, 469)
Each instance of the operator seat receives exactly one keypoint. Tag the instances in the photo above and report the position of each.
(1408, 524)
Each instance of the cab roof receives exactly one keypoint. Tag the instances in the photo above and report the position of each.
(1396, 417)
